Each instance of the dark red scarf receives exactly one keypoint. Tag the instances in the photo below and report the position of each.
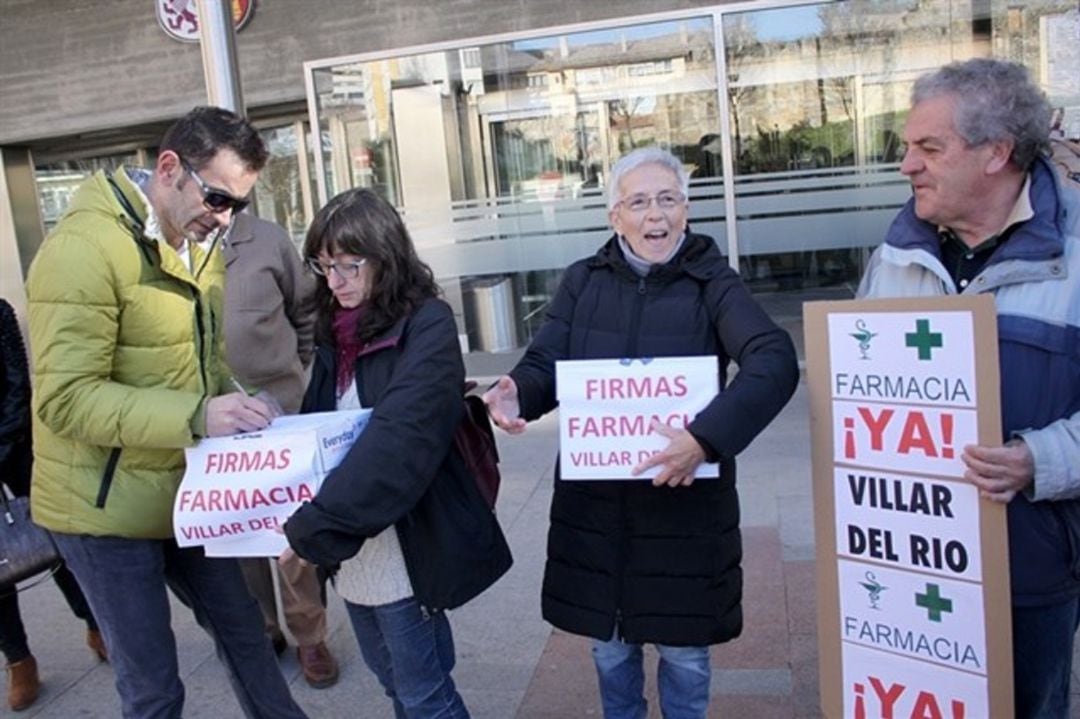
(347, 344)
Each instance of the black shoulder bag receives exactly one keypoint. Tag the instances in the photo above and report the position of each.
(26, 549)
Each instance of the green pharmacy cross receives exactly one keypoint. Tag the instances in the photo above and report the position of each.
(923, 339)
(933, 602)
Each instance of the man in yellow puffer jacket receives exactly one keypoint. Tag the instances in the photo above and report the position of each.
(125, 316)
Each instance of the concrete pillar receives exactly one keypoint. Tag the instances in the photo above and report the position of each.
(21, 228)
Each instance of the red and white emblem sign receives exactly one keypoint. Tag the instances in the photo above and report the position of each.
(180, 18)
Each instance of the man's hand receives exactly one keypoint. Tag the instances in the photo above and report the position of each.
(289, 557)
(271, 401)
(1000, 472)
(680, 458)
(236, 412)
(502, 405)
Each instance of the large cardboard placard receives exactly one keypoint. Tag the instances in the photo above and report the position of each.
(607, 408)
(912, 566)
(238, 490)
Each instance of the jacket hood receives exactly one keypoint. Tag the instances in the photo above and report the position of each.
(1042, 235)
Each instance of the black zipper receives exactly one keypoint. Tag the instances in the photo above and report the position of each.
(107, 477)
(199, 343)
(635, 319)
(620, 561)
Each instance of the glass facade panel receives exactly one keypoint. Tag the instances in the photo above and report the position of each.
(497, 154)
(279, 191)
(818, 95)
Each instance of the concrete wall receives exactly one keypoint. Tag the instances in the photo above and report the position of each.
(71, 66)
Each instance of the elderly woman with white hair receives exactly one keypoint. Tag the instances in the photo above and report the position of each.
(634, 562)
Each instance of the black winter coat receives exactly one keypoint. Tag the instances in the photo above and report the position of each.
(15, 450)
(658, 564)
(403, 469)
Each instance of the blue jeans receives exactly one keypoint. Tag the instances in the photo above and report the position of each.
(412, 654)
(682, 680)
(1042, 658)
(125, 582)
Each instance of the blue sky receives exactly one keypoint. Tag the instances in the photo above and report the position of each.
(787, 23)
(779, 24)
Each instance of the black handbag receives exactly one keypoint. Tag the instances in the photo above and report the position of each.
(25, 548)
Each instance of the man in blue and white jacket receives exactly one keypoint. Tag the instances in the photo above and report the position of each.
(988, 214)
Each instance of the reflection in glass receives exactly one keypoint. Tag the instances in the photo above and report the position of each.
(818, 96)
(279, 190)
(497, 154)
(57, 181)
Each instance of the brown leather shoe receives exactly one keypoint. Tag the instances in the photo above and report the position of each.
(96, 642)
(319, 666)
(23, 684)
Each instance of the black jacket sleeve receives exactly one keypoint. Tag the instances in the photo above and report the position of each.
(534, 374)
(14, 385)
(398, 454)
(768, 370)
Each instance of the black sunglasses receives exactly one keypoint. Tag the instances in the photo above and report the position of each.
(214, 199)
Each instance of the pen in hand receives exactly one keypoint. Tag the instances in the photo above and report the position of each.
(239, 387)
(264, 396)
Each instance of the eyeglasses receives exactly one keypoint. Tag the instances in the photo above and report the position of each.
(664, 200)
(344, 270)
(214, 199)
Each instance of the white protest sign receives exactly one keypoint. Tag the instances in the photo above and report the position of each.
(607, 408)
(913, 564)
(238, 490)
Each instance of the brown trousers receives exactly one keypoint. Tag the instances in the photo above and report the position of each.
(301, 597)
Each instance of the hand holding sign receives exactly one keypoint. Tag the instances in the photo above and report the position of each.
(502, 405)
(627, 419)
(236, 412)
(680, 459)
(999, 472)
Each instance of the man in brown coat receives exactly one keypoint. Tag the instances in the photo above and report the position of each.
(269, 340)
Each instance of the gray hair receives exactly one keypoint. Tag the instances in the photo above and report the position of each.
(644, 156)
(995, 100)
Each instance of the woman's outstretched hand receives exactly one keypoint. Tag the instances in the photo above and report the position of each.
(502, 405)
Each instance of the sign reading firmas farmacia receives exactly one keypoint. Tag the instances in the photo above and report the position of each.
(912, 567)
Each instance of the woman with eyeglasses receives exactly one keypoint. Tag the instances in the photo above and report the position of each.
(400, 522)
(634, 562)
